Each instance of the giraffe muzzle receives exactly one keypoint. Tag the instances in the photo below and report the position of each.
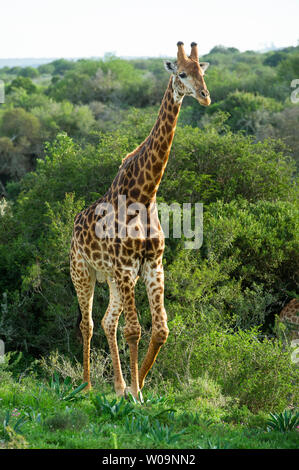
(203, 97)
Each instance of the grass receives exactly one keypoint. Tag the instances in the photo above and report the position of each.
(35, 414)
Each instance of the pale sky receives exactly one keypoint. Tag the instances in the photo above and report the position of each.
(86, 28)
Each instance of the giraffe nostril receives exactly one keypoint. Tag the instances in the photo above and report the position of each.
(204, 93)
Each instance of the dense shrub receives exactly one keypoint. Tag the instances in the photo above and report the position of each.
(242, 108)
(255, 370)
(206, 165)
(21, 82)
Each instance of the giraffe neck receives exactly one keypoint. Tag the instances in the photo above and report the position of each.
(141, 171)
(161, 137)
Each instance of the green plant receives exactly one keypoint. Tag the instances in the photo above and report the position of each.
(237, 414)
(67, 419)
(287, 420)
(114, 408)
(33, 415)
(64, 390)
(163, 434)
(15, 440)
(114, 440)
(255, 369)
(187, 418)
(139, 424)
(14, 426)
(151, 399)
(215, 444)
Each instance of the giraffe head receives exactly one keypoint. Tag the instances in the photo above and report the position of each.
(188, 75)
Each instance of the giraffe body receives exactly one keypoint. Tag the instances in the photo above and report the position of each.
(119, 237)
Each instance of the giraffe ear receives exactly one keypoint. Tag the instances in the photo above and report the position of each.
(171, 67)
(204, 66)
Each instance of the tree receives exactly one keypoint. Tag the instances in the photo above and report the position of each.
(283, 125)
(18, 123)
(243, 108)
(274, 58)
(23, 131)
(30, 72)
(63, 117)
(62, 65)
(47, 69)
(6, 152)
(21, 82)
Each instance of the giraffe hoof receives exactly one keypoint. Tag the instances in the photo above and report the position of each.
(121, 392)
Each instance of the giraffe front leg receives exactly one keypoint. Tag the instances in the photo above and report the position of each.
(154, 281)
(132, 330)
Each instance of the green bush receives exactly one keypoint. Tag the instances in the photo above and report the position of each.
(66, 419)
(261, 239)
(207, 165)
(21, 82)
(243, 109)
(244, 268)
(253, 369)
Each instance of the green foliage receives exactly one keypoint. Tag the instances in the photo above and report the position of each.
(260, 238)
(111, 80)
(29, 72)
(203, 419)
(20, 141)
(12, 423)
(226, 166)
(163, 434)
(283, 125)
(46, 69)
(63, 117)
(274, 58)
(67, 419)
(115, 409)
(255, 370)
(62, 65)
(287, 420)
(64, 390)
(138, 424)
(289, 68)
(19, 124)
(21, 82)
(245, 109)
(215, 444)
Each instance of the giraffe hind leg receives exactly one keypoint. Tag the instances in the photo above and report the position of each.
(109, 324)
(83, 277)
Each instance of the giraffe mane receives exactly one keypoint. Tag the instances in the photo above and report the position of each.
(133, 153)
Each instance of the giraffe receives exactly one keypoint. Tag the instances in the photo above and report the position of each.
(98, 253)
(290, 316)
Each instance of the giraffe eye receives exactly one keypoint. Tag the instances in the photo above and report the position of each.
(183, 75)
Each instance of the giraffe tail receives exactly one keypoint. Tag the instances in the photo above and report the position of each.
(78, 331)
